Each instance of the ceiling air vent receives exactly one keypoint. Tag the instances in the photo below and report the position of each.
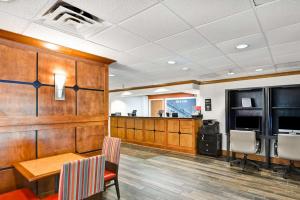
(73, 20)
(261, 2)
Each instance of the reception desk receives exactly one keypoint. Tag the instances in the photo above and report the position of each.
(175, 134)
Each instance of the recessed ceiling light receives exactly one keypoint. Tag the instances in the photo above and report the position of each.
(6, 0)
(126, 93)
(161, 90)
(231, 73)
(185, 68)
(111, 75)
(242, 46)
(171, 62)
(259, 70)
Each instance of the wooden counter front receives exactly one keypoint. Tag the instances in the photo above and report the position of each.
(175, 134)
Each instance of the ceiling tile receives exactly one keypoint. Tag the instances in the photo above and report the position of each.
(217, 63)
(287, 58)
(232, 27)
(113, 11)
(279, 13)
(12, 23)
(178, 59)
(198, 12)
(118, 39)
(187, 40)
(257, 57)
(203, 53)
(127, 59)
(254, 41)
(150, 52)
(155, 23)
(25, 9)
(284, 34)
(286, 48)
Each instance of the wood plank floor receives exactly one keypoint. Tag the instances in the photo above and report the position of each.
(147, 173)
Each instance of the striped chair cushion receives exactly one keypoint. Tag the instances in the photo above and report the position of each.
(82, 178)
(111, 149)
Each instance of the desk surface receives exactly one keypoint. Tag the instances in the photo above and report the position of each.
(36, 169)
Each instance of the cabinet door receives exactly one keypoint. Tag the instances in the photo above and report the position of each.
(149, 124)
(173, 139)
(186, 126)
(113, 132)
(160, 138)
(121, 133)
(149, 136)
(121, 122)
(160, 125)
(138, 136)
(130, 134)
(186, 140)
(138, 124)
(130, 123)
(113, 122)
(173, 125)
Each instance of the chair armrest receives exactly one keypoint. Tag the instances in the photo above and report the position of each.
(276, 148)
(258, 146)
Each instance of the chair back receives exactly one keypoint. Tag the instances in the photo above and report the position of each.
(82, 178)
(243, 141)
(289, 146)
(111, 149)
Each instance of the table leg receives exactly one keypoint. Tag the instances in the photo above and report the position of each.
(56, 179)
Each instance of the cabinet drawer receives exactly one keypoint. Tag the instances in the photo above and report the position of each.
(160, 125)
(149, 124)
(186, 140)
(138, 135)
(186, 126)
(160, 137)
(130, 134)
(173, 139)
(121, 122)
(149, 136)
(122, 133)
(138, 124)
(173, 125)
(130, 123)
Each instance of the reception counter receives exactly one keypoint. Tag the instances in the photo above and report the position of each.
(175, 134)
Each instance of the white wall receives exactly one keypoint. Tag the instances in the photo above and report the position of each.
(127, 104)
(217, 94)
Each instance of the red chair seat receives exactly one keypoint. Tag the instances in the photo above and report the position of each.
(51, 197)
(22, 194)
(109, 175)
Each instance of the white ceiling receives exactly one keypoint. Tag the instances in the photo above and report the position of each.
(200, 35)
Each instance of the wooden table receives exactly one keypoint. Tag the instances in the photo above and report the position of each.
(40, 168)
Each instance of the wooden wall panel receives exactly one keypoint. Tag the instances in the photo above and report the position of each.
(130, 134)
(48, 144)
(50, 64)
(160, 124)
(122, 122)
(17, 64)
(139, 124)
(149, 124)
(15, 147)
(129, 123)
(173, 125)
(89, 138)
(17, 100)
(90, 102)
(114, 122)
(90, 75)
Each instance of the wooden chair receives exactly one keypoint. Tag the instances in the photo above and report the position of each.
(81, 179)
(111, 151)
(21, 194)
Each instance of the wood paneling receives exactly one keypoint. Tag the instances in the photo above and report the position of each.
(122, 133)
(139, 135)
(114, 132)
(139, 123)
(122, 122)
(186, 126)
(17, 64)
(49, 106)
(130, 134)
(89, 138)
(114, 122)
(90, 75)
(149, 124)
(90, 102)
(48, 145)
(129, 123)
(186, 140)
(173, 125)
(160, 124)
(50, 64)
(17, 100)
(11, 180)
(160, 138)
(149, 136)
(173, 139)
(15, 147)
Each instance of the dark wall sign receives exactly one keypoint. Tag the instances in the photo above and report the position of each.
(207, 104)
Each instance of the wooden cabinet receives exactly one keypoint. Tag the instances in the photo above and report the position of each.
(114, 132)
(172, 134)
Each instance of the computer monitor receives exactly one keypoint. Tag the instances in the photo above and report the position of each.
(289, 124)
(248, 122)
(174, 114)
